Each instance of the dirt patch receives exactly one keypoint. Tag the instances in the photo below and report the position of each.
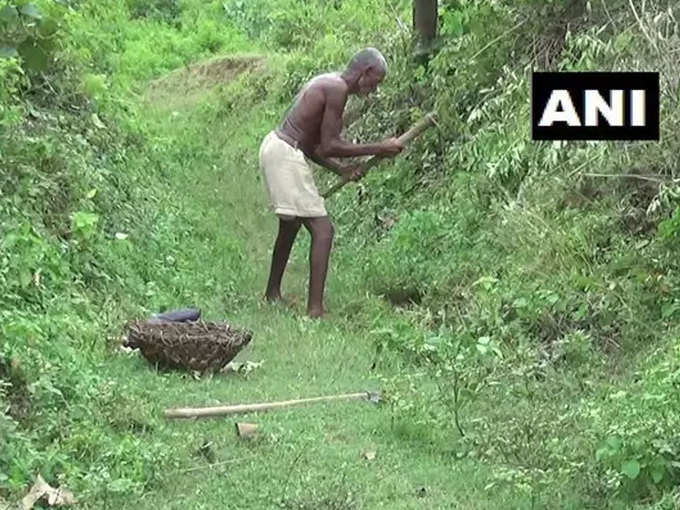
(634, 192)
(639, 189)
(16, 390)
(403, 297)
(583, 194)
(185, 86)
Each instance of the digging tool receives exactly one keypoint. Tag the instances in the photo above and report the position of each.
(201, 412)
(425, 123)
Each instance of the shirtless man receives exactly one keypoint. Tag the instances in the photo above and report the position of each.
(311, 131)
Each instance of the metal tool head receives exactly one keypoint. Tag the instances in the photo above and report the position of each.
(373, 396)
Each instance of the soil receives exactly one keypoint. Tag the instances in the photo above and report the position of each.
(188, 84)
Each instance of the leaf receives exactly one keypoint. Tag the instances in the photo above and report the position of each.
(120, 485)
(83, 219)
(48, 27)
(486, 282)
(433, 341)
(614, 443)
(601, 453)
(8, 52)
(92, 193)
(25, 277)
(520, 303)
(658, 472)
(631, 468)
(31, 11)
(668, 309)
(34, 56)
(9, 14)
(97, 121)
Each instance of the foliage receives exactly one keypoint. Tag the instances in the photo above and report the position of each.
(669, 229)
(639, 443)
(163, 10)
(29, 32)
(83, 202)
(531, 301)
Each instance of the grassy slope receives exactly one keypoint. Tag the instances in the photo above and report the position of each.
(308, 457)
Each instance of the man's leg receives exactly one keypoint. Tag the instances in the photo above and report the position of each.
(288, 229)
(321, 230)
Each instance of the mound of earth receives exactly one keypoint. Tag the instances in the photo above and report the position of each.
(187, 84)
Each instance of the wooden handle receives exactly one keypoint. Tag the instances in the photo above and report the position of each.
(199, 412)
(415, 131)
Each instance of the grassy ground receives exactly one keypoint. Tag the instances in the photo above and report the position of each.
(308, 457)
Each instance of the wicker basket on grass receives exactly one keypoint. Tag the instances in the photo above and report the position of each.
(199, 345)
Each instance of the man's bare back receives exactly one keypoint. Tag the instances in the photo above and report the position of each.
(315, 120)
(303, 121)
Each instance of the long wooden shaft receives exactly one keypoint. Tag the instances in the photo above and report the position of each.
(199, 412)
(412, 133)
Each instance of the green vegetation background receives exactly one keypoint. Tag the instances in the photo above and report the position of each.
(516, 302)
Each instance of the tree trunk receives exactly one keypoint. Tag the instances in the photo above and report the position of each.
(425, 21)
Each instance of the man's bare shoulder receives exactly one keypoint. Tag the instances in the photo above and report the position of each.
(328, 83)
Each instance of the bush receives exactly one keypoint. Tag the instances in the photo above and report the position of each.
(639, 446)
(29, 32)
(167, 11)
(413, 256)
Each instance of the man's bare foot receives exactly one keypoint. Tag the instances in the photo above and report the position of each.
(278, 299)
(316, 313)
(273, 297)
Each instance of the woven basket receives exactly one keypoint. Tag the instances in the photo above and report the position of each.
(204, 346)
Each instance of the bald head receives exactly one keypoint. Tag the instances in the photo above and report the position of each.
(368, 57)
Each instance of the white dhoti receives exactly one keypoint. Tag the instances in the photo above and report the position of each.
(289, 180)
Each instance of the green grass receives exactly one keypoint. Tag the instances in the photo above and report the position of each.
(307, 457)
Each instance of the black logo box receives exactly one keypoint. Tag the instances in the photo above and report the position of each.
(543, 84)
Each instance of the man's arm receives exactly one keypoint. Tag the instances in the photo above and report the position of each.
(332, 145)
(353, 172)
(327, 163)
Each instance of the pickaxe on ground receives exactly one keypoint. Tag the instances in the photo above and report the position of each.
(201, 412)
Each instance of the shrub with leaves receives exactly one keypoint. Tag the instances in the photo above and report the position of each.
(638, 430)
(29, 32)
